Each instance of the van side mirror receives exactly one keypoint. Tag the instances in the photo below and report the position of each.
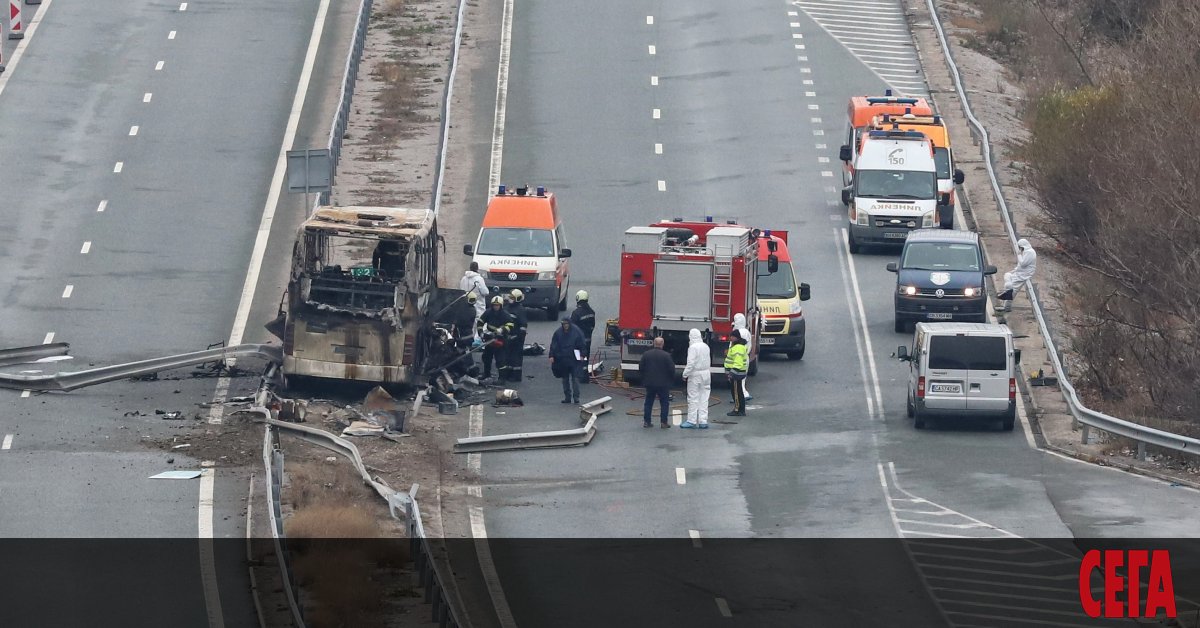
(1016, 356)
(844, 152)
(468, 249)
(989, 270)
(902, 354)
(893, 267)
(959, 177)
(772, 263)
(846, 197)
(564, 253)
(944, 199)
(805, 292)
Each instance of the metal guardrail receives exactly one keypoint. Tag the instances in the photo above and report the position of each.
(26, 355)
(341, 119)
(444, 137)
(529, 440)
(67, 381)
(1084, 416)
(273, 462)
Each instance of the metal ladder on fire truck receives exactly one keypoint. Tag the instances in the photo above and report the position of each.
(722, 301)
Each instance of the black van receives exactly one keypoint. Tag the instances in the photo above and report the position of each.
(940, 278)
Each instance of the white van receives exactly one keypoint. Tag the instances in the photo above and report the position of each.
(962, 370)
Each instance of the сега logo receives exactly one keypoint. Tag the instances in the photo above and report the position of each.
(1160, 590)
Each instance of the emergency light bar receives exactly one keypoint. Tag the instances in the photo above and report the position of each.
(896, 134)
(877, 100)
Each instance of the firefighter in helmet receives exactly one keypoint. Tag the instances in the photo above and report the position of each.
(516, 346)
(495, 327)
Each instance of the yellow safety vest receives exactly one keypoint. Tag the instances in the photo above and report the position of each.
(737, 358)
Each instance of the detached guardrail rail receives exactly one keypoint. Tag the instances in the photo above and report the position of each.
(71, 380)
(27, 355)
(1083, 415)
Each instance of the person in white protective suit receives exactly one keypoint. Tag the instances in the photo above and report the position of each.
(739, 325)
(472, 281)
(698, 380)
(1015, 279)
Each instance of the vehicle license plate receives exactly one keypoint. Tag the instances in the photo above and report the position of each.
(892, 234)
(766, 341)
(646, 342)
(941, 315)
(953, 389)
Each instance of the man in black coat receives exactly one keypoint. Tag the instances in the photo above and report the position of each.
(584, 317)
(567, 359)
(495, 328)
(658, 374)
(516, 343)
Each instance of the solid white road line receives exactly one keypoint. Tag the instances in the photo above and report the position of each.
(86, 248)
(7, 444)
(158, 66)
(120, 165)
(208, 560)
(48, 339)
(475, 430)
(862, 320)
(102, 206)
(67, 291)
(680, 475)
(839, 237)
(133, 130)
(695, 534)
(20, 49)
(488, 567)
(501, 96)
(723, 607)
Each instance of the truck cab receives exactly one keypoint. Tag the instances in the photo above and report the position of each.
(935, 129)
(779, 298)
(894, 190)
(521, 245)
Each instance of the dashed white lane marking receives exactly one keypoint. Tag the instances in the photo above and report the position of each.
(67, 291)
(133, 130)
(826, 173)
(813, 107)
(171, 35)
(147, 97)
(102, 206)
(806, 82)
(649, 20)
(723, 607)
(794, 25)
(822, 160)
(853, 297)
(662, 185)
(7, 444)
(676, 418)
(119, 167)
(208, 556)
(810, 94)
(654, 80)
(801, 58)
(818, 132)
(815, 120)
(658, 149)
(653, 50)
(86, 248)
(799, 47)
(806, 70)
(656, 114)
(695, 534)
(25, 394)
(797, 36)
(183, 6)
(680, 475)
(49, 338)
(158, 66)
(793, 13)
(820, 147)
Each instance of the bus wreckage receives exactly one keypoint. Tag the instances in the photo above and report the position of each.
(362, 286)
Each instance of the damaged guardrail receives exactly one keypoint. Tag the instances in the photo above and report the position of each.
(71, 380)
(595, 408)
(1084, 416)
(577, 437)
(27, 355)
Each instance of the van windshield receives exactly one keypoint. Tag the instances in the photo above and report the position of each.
(780, 284)
(941, 256)
(941, 158)
(516, 242)
(979, 353)
(896, 184)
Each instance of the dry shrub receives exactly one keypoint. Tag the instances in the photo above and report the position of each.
(1115, 167)
(399, 98)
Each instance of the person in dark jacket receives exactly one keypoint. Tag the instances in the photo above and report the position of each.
(495, 327)
(567, 359)
(516, 345)
(463, 318)
(658, 374)
(584, 317)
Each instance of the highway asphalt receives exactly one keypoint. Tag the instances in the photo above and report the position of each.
(189, 102)
(747, 102)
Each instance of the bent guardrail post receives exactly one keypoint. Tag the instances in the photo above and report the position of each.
(529, 440)
(1086, 417)
(71, 380)
(595, 408)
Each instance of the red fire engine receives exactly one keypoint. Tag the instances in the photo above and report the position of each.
(676, 276)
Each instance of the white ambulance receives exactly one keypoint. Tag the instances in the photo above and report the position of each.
(894, 189)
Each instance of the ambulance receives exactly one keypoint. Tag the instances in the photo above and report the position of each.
(862, 110)
(521, 245)
(779, 298)
(935, 129)
(894, 190)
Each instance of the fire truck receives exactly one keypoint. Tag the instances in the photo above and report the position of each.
(677, 276)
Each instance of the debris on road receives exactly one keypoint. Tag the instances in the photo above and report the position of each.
(174, 415)
(176, 475)
(363, 428)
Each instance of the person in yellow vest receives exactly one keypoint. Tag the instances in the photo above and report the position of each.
(737, 361)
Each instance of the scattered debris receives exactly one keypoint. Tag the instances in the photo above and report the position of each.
(509, 397)
(533, 348)
(170, 416)
(176, 475)
(183, 446)
(363, 428)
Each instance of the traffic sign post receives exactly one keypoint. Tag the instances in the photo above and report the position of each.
(16, 30)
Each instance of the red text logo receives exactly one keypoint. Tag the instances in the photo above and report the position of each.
(1122, 571)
